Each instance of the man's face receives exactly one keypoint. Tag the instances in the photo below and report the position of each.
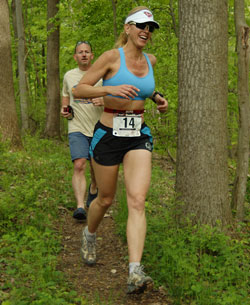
(83, 56)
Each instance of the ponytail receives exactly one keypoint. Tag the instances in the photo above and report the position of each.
(122, 40)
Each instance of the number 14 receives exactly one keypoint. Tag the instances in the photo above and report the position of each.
(129, 122)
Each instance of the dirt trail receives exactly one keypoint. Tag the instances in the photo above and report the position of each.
(106, 281)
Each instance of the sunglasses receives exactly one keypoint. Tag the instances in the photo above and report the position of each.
(84, 41)
(143, 26)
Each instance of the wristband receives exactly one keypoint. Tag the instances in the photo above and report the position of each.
(155, 93)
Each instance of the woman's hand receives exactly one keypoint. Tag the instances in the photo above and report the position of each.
(125, 91)
(162, 103)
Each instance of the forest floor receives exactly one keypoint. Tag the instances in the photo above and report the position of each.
(105, 282)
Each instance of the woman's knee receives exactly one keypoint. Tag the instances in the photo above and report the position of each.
(136, 202)
(105, 201)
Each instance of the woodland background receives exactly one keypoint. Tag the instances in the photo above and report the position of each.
(206, 77)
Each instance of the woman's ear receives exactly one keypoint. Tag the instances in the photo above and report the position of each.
(126, 28)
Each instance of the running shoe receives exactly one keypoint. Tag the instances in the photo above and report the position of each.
(80, 214)
(138, 280)
(88, 251)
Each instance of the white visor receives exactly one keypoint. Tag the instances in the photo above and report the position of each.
(141, 17)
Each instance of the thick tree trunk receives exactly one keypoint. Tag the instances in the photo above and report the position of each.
(53, 81)
(202, 172)
(243, 50)
(21, 67)
(9, 129)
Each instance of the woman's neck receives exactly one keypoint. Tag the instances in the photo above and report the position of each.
(133, 52)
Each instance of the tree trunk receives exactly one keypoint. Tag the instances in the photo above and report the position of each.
(8, 117)
(202, 172)
(43, 66)
(53, 82)
(21, 67)
(243, 50)
(114, 2)
(13, 14)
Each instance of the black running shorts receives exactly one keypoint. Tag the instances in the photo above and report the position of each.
(107, 149)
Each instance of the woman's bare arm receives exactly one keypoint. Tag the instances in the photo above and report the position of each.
(99, 70)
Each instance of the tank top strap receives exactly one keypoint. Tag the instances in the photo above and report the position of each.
(149, 62)
(122, 58)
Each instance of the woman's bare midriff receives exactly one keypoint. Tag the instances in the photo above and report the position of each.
(119, 104)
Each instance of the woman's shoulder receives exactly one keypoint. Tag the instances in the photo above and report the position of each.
(152, 59)
(111, 55)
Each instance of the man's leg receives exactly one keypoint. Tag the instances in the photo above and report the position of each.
(79, 181)
(79, 149)
(92, 191)
(93, 185)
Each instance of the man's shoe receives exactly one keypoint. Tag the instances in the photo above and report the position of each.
(88, 251)
(80, 214)
(91, 197)
(138, 280)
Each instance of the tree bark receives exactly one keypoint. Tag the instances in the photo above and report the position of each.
(114, 2)
(53, 81)
(243, 51)
(202, 172)
(21, 67)
(9, 128)
(14, 22)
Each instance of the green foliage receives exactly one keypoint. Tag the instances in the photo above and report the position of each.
(198, 265)
(34, 184)
(86, 20)
(94, 21)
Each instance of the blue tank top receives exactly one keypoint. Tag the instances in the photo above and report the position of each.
(123, 76)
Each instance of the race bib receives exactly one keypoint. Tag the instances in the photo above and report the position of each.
(127, 125)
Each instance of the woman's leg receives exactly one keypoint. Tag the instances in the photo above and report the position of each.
(137, 173)
(106, 179)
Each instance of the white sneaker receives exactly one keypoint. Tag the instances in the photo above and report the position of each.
(138, 280)
(88, 251)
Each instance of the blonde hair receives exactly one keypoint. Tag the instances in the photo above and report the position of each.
(123, 38)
